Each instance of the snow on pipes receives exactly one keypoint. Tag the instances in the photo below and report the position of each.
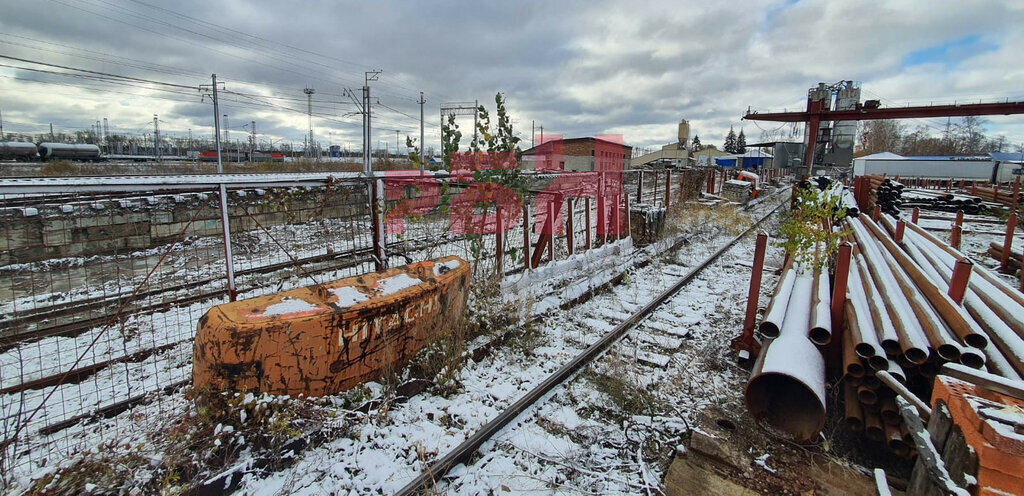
(786, 391)
(324, 339)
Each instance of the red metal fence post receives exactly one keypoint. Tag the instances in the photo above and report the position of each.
(587, 220)
(668, 188)
(526, 235)
(552, 209)
(629, 218)
(901, 226)
(876, 213)
(1016, 194)
(915, 214)
(1011, 225)
(958, 282)
(839, 286)
(745, 342)
(569, 232)
(499, 247)
(957, 230)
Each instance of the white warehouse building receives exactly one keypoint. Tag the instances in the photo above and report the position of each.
(992, 167)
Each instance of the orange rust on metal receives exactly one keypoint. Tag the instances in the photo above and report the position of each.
(322, 340)
(1011, 226)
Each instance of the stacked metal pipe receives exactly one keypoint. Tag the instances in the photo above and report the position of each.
(902, 292)
(941, 202)
(905, 314)
(885, 193)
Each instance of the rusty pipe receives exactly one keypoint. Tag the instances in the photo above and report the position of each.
(1005, 359)
(984, 273)
(853, 409)
(912, 339)
(821, 310)
(929, 322)
(786, 391)
(894, 439)
(922, 408)
(851, 362)
(866, 395)
(948, 309)
(883, 323)
(873, 428)
(888, 411)
(776, 311)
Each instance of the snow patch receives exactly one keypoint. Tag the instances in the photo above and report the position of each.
(288, 306)
(348, 296)
(396, 283)
(445, 267)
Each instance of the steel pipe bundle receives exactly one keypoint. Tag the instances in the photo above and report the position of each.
(885, 193)
(786, 390)
(942, 202)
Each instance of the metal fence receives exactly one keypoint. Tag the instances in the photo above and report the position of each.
(102, 282)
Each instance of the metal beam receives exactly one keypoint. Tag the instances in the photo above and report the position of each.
(865, 114)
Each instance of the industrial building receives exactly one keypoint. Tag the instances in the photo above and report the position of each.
(675, 154)
(992, 167)
(577, 155)
(751, 159)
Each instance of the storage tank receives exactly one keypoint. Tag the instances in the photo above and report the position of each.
(18, 150)
(684, 132)
(54, 151)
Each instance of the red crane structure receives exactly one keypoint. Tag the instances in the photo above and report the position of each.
(818, 111)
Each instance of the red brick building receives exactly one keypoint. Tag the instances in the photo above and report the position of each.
(577, 155)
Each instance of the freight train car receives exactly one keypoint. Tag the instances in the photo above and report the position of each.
(57, 151)
(18, 150)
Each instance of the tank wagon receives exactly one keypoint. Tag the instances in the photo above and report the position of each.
(18, 150)
(55, 151)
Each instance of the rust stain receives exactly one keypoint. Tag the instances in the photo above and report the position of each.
(314, 344)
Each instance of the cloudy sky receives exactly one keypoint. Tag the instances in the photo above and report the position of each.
(577, 68)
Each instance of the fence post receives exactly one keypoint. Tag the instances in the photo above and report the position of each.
(629, 218)
(639, 188)
(957, 231)
(1011, 225)
(554, 229)
(377, 217)
(526, 235)
(745, 342)
(225, 223)
(569, 232)
(958, 281)
(587, 220)
(668, 189)
(499, 247)
(901, 226)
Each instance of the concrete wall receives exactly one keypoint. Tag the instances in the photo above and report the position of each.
(107, 227)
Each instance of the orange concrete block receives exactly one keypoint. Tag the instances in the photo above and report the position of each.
(986, 419)
(321, 340)
(989, 479)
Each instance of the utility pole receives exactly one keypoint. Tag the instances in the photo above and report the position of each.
(398, 144)
(227, 135)
(542, 135)
(52, 138)
(252, 141)
(106, 136)
(476, 114)
(368, 136)
(309, 97)
(422, 143)
(190, 142)
(156, 137)
(533, 134)
(2, 120)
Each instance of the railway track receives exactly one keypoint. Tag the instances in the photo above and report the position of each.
(654, 323)
(177, 374)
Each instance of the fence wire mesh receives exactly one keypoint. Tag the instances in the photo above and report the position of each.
(100, 293)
